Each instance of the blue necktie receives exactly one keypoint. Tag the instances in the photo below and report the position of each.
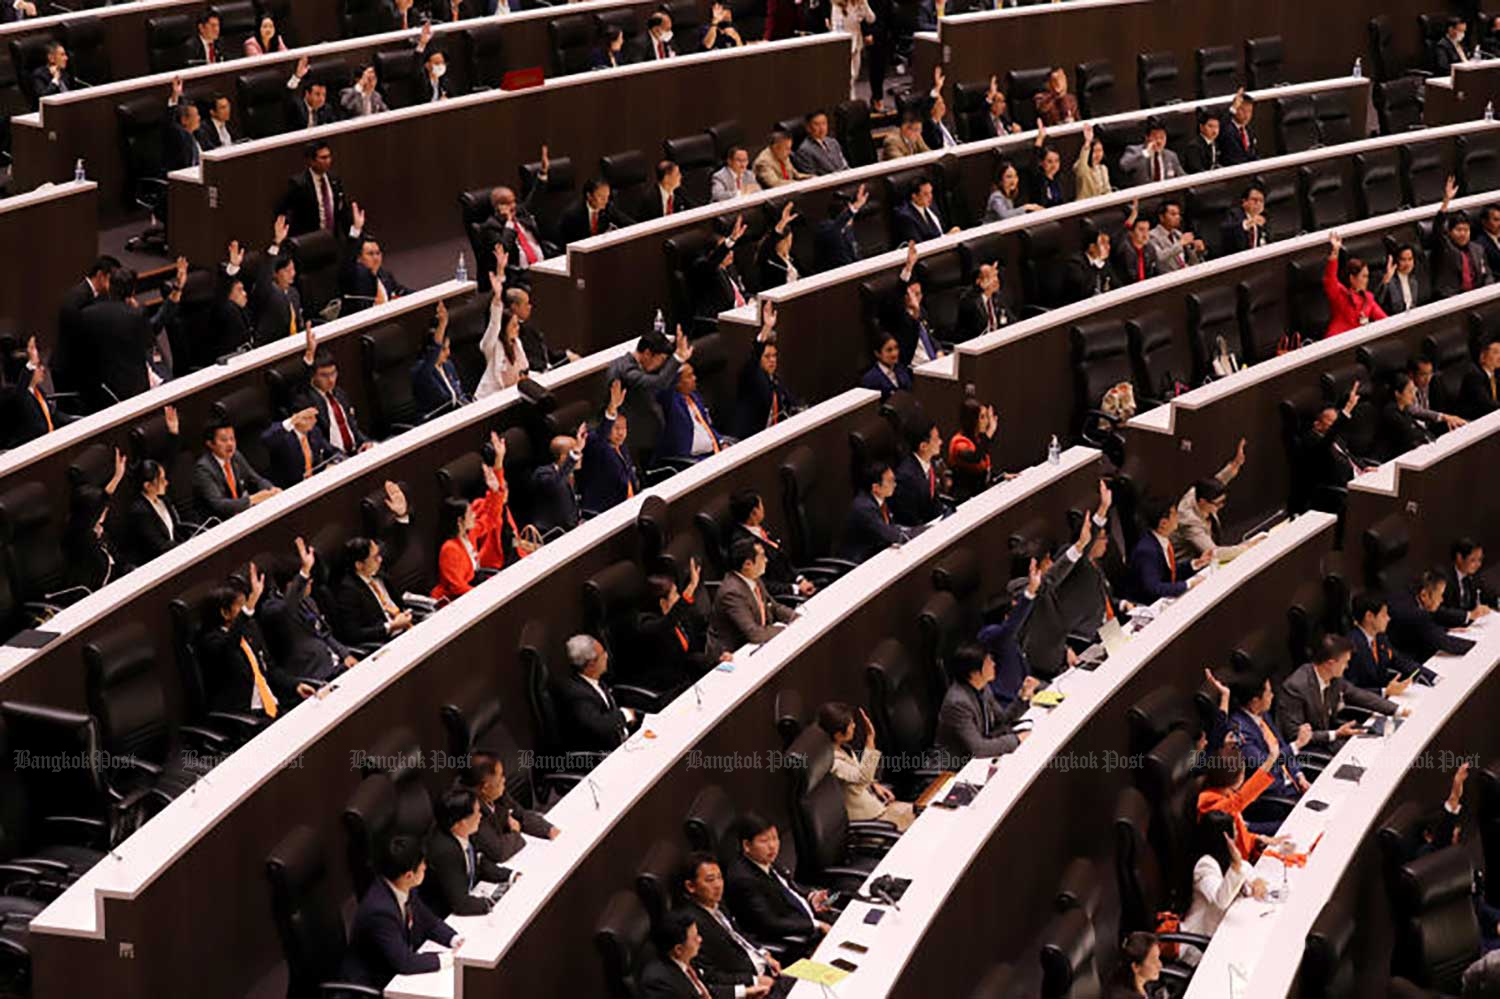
(927, 343)
(473, 864)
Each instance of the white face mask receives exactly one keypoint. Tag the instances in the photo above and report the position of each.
(666, 36)
(439, 70)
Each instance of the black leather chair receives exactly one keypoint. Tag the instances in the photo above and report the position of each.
(969, 110)
(656, 878)
(1450, 352)
(32, 550)
(573, 40)
(694, 156)
(832, 851)
(852, 119)
(1101, 360)
(482, 50)
(1377, 182)
(1398, 104)
(1324, 202)
(261, 102)
(475, 726)
(1263, 57)
(1262, 310)
(308, 919)
(1171, 787)
(1478, 164)
(40, 854)
(1097, 95)
(1021, 86)
(1334, 124)
(1218, 71)
(388, 352)
(1068, 955)
(623, 939)
(612, 600)
(1145, 888)
(366, 17)
(401, 79)
(630, 179)
(710, 823)
(1156, 715)
(1424, 173)
(1156, 78)
(1437, 932)
(903, 713)
(810, 538)
(725, 135)
(1162, 367)
(1328, 969)
(384, 806)
(1042, 254)
(88, 54)
(1296, 124)
(169, 42)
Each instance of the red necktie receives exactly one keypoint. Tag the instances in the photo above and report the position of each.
(667, 205)
(931, 482)
(1171, 562)
(660, 52)
(760, 605)
(1466, 274)
(338, 417)
(698, 988)
(785, 174)
(885, 513)
(593, 222)
(1156, 167)
(41, 401)
(325, 191)
(1244, 138)
(1140, 263)
(528, 248)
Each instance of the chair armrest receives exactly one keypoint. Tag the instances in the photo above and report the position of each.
(650, 701)
(248, 725)
(676, 464)
(836, 564)
(39, 864)
(1032, 311)
(145, 766)
(1197, 940)
(875, 827)
(206, 738)
(337, 990)
(851, 878)
(77, 830)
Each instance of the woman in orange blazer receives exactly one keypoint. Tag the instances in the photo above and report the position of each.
(1226, 789)
(474, 534)
(969, 449)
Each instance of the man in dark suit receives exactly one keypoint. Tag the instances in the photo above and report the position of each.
(906, 318)
(392, 922)
(608, 476)
(1323, 461)
(1449, 50)
(870, 528)
(834, 244)
(337, 420)
(308, 108)
(1479, 392)
(152, 527)
(513, 226)
(769, 904)
(1317, 691)
(594, 214)
(1153, 563)
(366, 610)
(179, 139)
(716, 281)
(744, 612)
(1488, 237)
(434, 378)
(1458, 262)
(1202, 153)
(206, 51)
(917, 221)
(1417, 617)
(1236, 139)
(1245, 225)
(587, 713)
(314, 198)
(30, 412)
(364, 280)
(296, 448)
(502, 822)
(748, 512)
(126, 358)
(1134, 258)
(1465, 598)
(674, 976)
(278, 303)
(673, 632)
(688, 429)
(300, 637)
(971, 721)
(215, 133)
(454, 864)
(224, 483)
(656, 43)
(1400, 429)
(727, 957)
(1406, 287)
(239, 674)
(1374, 664)
(668, 198)
(764, 399)
(554, 503)
(643, 374)
(919, 482)
(54, 77)
(71, 360)
(981, 308)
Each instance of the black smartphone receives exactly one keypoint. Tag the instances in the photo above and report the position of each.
(855, 946)
(1317, 806)
(844, 965)
(874, 916)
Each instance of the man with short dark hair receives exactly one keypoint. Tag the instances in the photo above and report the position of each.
(392, 923)
(224, 482)
(1374, 663)
(906, 140)
(314, 198)
(673, 976)
(503, 823)
(1458, 262)
(917, 220)
(727, 957)
(1315, 693)
(363, 98)
(337, 420)
(1154, 562)
(748, 512)
(607, 476)
(1236, 141)
(307, 104)
(1203, 151)
(180, 148)
(1466, 598)
(53, 76)
(820, 153)
(364, 280)
(241, 676)
(920, 482)
(1150, 162)
(870, 528)
(744, 612)
(455, 867)
(668, 198)
(206, 52)
(770, 905)
(1479, 392)
(1419, 625)
(593, 214)
(366, 610)
(735, 177)
(1054, 105)
(971, 721)
(688, 429)
(981, 307)
(215, 132)
(1449, 50)
(300, 637)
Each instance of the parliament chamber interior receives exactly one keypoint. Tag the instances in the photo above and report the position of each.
(496, 630)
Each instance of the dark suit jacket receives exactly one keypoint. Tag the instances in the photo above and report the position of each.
(1456, 603)
(1322, 459)
(907, 224)
(1390, 299)
(663, 663)
(736, 621)
(1128, 264)
(540, 356)
(45, 86)
(1446, 54)
(382, 947)
(1418, 633)
(651, 207)
(608, 476)
(448, 882)
(276, 311)
(552, 501)
(495, 840)
(757, 390)
(1400, 431)
(287, 462)
(179, 147)
(643, 49)
(974, 317)
(227, 674)
(908, 329)
(211, 491)
(357, 282)
(867, 531)
(22, 414)
(1233, 237)
(296, 118)
(145, 535)
(587, 723)
(1233, 143)
(427, 388)
(876, 379)
(358, 618)
(308, 396)
(1150, 576)
(298, 634)
(961, 728)
(1373, 669)
(1476, 393)
(208, 136)
(1299, 701)
(72, 360)
(834, 244)
(1447, 261)
(720, 961)
(713, 286)
(120, 341)
(574, 223)
(1200, 155)
(664, 980)
(780, 576)
(676, 437)
(916, 498)
(300, 205)
(764, 910)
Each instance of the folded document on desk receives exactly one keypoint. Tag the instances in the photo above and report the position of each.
(815, 971)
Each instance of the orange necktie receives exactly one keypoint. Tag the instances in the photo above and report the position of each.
(306, 456)
(775, 408)
(234, 492)
(760, 605)
(41, 401)
(1171, 562)
(698, 415)
(682, 639)
(267, 699)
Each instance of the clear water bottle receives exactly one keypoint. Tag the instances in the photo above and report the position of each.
(461, 272)
(1359, 68)
(1489, 114)
(78, 174)
(659, 324)
(1054, 451)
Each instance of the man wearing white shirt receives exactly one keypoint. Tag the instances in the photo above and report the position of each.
(588, 715)
(215, 132)
(917, 221)
(337, 419)
(363, 99)
(207, 48)
(734, 178)
(667, 198)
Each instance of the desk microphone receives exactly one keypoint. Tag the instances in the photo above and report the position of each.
(879, 892)
(698, 694)
(594, 790)
(210, 522)
(236, 352)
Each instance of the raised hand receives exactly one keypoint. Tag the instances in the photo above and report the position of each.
(497, 443)
(616, 395)
(176, 89)
(860, 197)
(1033, 578)
(180, 272)
(768, 315)
(395, 500)
(305, 556)
(303, 65)
(1106, 497)
(359, 217)
(236, 254)
(280, 230)
(546, 160)
(911, 256)
(257, 585)
(788, 216)
(738, 230)
(169, 417)
(1335, 244)
(1450, 190)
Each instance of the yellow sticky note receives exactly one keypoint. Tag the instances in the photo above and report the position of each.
(1048, 698)
(816, 972)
